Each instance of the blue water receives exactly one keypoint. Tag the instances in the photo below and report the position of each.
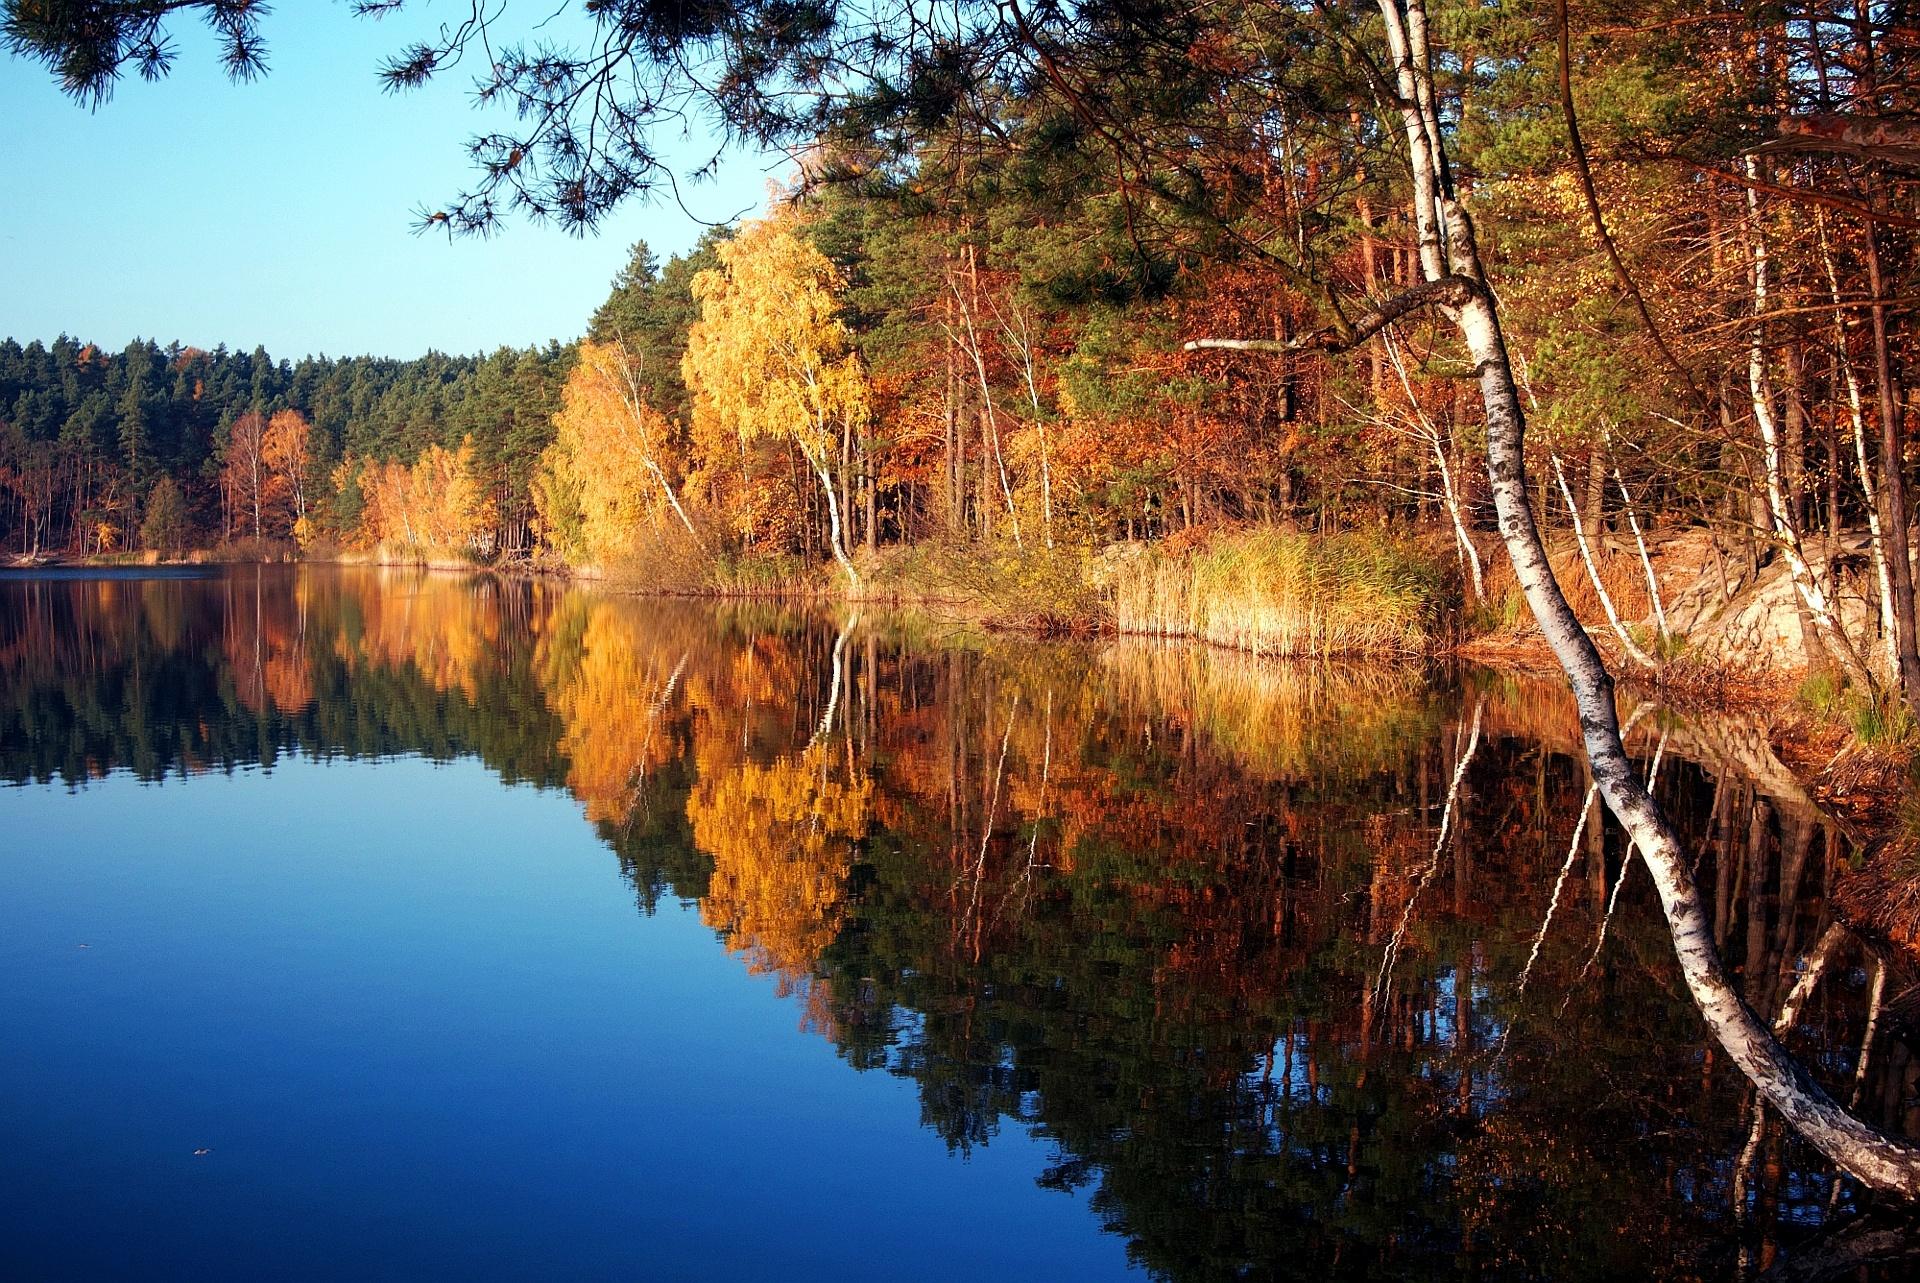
(420, 1028)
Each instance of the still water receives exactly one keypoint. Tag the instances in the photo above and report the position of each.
(390, 925)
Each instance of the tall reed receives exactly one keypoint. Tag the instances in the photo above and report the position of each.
(1277, 592)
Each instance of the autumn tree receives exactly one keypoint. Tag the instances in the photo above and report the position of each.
(606, 474)
(286, 451)
(435, 506)
(770, 358)
(246, 475)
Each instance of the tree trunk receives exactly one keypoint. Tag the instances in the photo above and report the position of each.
(1893, 487)
(1646, 562)
(1627, 642)
(1786, 531)
(834, 531)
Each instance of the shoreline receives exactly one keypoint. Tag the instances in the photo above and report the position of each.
(1686, 682)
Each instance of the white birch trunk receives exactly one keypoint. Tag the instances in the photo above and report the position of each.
(986, 403)
(1779, 511)
(1646, 562)
(1876, 537)
(1627, 643)
(1430, 433)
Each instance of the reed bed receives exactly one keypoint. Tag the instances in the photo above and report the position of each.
(1278, 592)
(1507, 612)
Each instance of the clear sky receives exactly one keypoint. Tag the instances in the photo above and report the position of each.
(279, 212)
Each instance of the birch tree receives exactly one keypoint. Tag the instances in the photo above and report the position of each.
(610, 458)
(245, 471)
(1456, 283)
(770, 357)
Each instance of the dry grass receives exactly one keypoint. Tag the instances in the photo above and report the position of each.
(1507, 612)
(1036, 589)
(1277, 592)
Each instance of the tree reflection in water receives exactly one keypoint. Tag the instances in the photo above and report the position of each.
(1302, 971)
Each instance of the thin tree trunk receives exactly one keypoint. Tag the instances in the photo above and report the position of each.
(1893, 484)
(834, 532)
(1627, 643)
(1826, 627)
(1430, 433)
(1646, 563)
(1893, 487)
(990, 419)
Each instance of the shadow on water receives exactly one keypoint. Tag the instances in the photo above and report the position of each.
(1302, 971)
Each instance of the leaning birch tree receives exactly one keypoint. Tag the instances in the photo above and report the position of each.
(1456, 284)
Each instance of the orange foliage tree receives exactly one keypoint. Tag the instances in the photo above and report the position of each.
(606, 475)
(437, 505)
(287, 454)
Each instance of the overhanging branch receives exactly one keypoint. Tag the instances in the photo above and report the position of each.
(1448, 291)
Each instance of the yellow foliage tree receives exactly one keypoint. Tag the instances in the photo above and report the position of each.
(769, 357)
(436, 505)
(285, 450)
(606, 471)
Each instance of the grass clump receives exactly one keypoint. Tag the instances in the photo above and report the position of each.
(1279, 592)
(1879, 722)
(1876, 720)
(1043, 589)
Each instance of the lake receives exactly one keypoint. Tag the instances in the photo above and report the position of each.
(383, 924)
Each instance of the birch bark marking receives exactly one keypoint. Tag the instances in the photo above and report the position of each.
(1893, 482)
(1869, 1154)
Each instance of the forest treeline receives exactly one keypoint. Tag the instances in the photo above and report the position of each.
(1057, 319)
(178, 447)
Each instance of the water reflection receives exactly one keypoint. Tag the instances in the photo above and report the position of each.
(1245, 943)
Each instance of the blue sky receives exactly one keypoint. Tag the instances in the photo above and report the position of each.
(279, 212)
